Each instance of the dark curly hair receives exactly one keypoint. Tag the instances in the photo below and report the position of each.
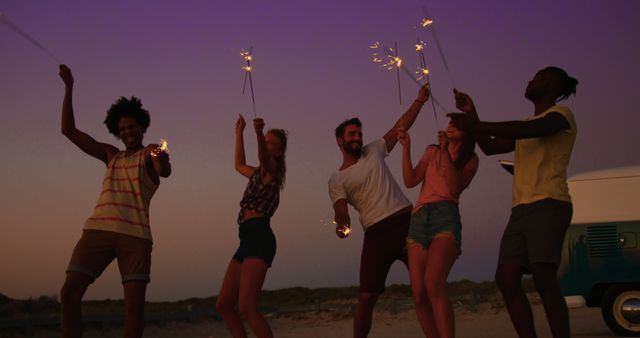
(124, 107)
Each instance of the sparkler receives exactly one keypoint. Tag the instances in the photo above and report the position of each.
(343, 231)
(426, 22)
(162, 148)
(393, 62)
(248, 57)
(4, 19)
(423, 73)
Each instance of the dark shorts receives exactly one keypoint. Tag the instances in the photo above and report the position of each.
(384, 243)
(535, 233)
(256, 240)
(97, 249)
(433, 220)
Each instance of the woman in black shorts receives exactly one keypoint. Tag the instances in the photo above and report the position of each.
(247, 270)
(541, 207)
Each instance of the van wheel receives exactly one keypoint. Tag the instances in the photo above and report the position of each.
(621, 309)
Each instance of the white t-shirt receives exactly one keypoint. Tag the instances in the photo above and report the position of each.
(369, 186)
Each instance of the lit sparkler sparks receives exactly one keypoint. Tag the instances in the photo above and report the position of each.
(162, 148)
(343, 231)
(248, 57)
(426, 22)
(423, 73)
(393, 61)
(375, 57)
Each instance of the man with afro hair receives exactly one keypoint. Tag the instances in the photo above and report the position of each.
(119, 227)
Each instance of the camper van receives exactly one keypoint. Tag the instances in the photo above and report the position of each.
(600, 264)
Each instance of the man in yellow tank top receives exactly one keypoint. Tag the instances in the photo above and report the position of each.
(119, 227)
(541, 206)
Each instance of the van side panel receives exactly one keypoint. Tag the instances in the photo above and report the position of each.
(599, 253)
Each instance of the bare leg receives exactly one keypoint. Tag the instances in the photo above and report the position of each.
(228, 298)
(417, 268)
(75, 285)
(134, 296)
(441, 256)
(555, 306)
(509, 280)
(254, 271)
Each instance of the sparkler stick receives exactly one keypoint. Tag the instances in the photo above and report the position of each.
(18, 30)
(419, 84)
(426, 22)
(248, 56)
(423, 71)
(398, 64)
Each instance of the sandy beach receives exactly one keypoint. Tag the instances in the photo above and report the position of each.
(487, 321)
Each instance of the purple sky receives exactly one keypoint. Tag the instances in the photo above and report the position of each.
(312, 70)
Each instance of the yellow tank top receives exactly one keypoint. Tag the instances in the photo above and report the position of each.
(123, 205)
(540, 165)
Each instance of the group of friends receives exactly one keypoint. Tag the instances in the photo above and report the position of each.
(425, 235)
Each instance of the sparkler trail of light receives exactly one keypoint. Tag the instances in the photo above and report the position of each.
(427, 22)
(248, 57)
(15, 28)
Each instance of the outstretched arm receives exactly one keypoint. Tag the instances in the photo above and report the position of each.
(341, 212)
(412, 176)
(240, 159)
(488, 144)
(548, 125)
(86, 143)
(407, 119)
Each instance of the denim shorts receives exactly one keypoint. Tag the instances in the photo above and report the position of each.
(256, 241)
(435, 219)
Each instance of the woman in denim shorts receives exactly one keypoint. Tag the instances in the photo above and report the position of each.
(433, 243)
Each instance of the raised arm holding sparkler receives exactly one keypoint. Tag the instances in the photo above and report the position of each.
(248, 268)
(155, 155)
(120, 220)
(268, 163)
(489, 145)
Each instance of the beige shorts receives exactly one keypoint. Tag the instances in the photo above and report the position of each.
(97, 249)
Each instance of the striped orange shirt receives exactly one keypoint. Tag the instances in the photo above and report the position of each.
(123, 205)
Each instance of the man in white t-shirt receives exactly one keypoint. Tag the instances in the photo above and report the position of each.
(365, 182)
